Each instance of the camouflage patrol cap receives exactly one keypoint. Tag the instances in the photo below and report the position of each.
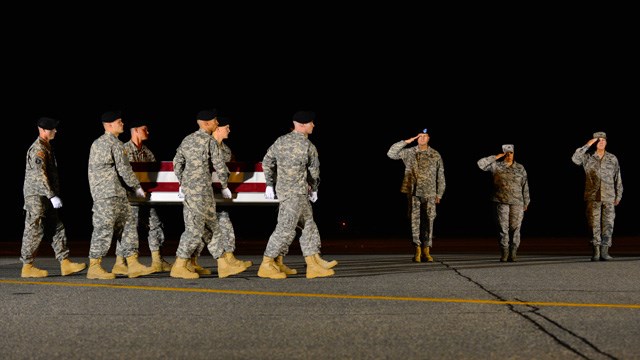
(207, 115)
(111, 116)
(304, 117)
(507, 148)
(599, 134)
(47, 123)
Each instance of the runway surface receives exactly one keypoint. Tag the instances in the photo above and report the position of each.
(550, 304)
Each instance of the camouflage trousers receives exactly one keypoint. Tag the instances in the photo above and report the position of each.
(600, 216)
(294, 211)
(200, 220)
(110, 217)
(143, 222)
(509, 218)
(42, 222)
(422, 213)
(228, 237)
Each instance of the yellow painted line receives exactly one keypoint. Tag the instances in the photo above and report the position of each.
(323, 296)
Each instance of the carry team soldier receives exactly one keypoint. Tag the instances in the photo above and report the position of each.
(194, 162)
(41, 192)
(109, 169)
(144, 219)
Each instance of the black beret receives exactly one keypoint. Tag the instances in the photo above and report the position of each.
(207, 115)
(111, 116)
(138, 123)
(304, 117)
(48, 123)
(223, 121)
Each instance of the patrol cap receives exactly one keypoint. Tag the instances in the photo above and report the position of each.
(507, 148)
(111, 116)
(207, 115)
(599, 134)
(47, 123)
(223, 121)
(304, 117)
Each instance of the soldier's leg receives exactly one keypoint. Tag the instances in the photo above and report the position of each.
(594, 218)
(429, 208)
(194, 213)
(59, 242)
(414, 217)
(502, 216)
(156, 229)
(33, 228)
(608, 217)
(516, 215)
(103, 220)
(228, 235)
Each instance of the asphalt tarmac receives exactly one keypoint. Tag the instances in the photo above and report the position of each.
(550, 304)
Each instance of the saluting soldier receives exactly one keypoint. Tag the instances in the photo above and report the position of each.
(602, 192)
(510, 196)
(424, 185)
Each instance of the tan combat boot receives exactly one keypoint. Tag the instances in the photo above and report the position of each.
(30, 271)
(268, 269)
(97, 272)
(67, 267)
(315, 270)
(120, 267)
(194, 266)
(158, 263)
(425, 254)
(136, 268)
(284, 268)
(227, 267)
(325, 264)
(416, 257)
(180, 270)
(235, 260)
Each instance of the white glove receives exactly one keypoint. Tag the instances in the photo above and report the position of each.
(269, 193)
(180, 193)
(314, 196)
(57, 202)
(140, 193)
(226, 193)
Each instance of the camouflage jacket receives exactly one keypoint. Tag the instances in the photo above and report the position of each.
(292, 164)
(423, 170)
(143, 154)
(195, 160)
(603, 181)
(109, 169)
(41, 171)
(510, 184)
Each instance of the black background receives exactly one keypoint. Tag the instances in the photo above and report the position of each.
(474, 91)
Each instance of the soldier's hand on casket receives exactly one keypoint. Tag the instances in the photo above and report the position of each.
(140, 193)
(314, 196)
(180, 193)
(57, 202)
(269, 193)
(226, 193)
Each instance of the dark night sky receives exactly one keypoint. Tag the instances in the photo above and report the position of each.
(547, 99)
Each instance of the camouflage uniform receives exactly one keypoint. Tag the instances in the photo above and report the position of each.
(194, 162)
(109, 172)
(295, 160)
(224, 221)
(510, 195)
(603, 187)
(40, 184)
(423, 182)
(143, 218)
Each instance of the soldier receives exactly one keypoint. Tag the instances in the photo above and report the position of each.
(194, 162)
(295, 161)
(424, 184)
(143, 218)
(109, 170)
(228, 239)
(41, 203)
(511, 198)
(602, 192)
